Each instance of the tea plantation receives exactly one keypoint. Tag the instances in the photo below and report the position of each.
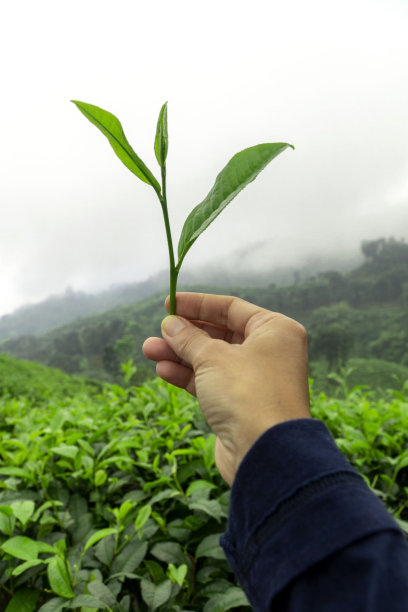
(110, 499)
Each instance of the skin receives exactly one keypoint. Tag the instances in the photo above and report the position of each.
(247, 366)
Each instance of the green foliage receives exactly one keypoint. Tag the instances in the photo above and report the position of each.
(111, 502)
(372, 432)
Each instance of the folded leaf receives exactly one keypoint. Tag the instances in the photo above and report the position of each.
(161, 143)
(111, 127)
(241, 170)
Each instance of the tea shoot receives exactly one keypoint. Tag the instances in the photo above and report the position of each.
(241, 170)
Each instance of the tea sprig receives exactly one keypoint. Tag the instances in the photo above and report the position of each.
(242, 169)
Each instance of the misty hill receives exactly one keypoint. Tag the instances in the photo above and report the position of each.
(250, 267)
(360, 314)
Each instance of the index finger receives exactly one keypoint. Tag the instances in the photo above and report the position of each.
(230, 312)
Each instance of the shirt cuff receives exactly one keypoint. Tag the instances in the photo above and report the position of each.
(294, 501)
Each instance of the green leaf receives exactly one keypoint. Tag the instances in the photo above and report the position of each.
(21, 547)
(56, 604)
(125, 603)
(241, 170)
(101, 591)
(98, 535)
(24, 600)
(402, 462)
(232, 598)
(100, 477)
(7, 520)
(155, 595)
(209, 451)
(169, 552)
(210, 506)
(16, 471)
(199, 484)
(161, 143)
(165, 494)
(111, 127)
(125, 509)
(142, 516)
(78, 506)
(45, 506)
(129, 558)
(58, 578)
(210, 547)
(213, 587)
(88, 601)
(25, 566)
(23, 510)
(105, 550)
(44, 547)
(65, 450)
(177, 574)
(155, 570)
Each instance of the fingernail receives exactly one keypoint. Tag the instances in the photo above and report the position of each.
(172, 325)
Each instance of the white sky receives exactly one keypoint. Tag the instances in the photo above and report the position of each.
(329, 77)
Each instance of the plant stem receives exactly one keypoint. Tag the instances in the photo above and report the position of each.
(173, 270)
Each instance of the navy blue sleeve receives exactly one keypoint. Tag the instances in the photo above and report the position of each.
(305, 533)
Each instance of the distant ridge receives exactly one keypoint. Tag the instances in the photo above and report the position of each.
(241, 268)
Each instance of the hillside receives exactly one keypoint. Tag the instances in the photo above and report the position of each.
(359, 314)
(39, 382)
(244, 268)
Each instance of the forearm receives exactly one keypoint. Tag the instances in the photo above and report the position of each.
(301, 518)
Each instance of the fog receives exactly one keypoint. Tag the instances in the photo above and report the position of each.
(331, 79)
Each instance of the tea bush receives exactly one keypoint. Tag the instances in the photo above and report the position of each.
(113, 502)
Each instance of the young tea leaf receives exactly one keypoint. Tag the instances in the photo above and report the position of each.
(111, 127)
(241, 170)
(177, 574)
(142, 516)
(102, 533)
(23, 510)
(161, 143)
(25, 566)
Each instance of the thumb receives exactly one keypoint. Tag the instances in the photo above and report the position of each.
(186, 340)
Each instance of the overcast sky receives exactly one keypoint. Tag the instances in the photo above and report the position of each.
(329, 77)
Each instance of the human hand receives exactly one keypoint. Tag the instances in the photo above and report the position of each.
(247, 366)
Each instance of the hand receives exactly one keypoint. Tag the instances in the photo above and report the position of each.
(247, 366)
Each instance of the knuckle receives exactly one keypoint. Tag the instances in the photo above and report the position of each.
(298, 331)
